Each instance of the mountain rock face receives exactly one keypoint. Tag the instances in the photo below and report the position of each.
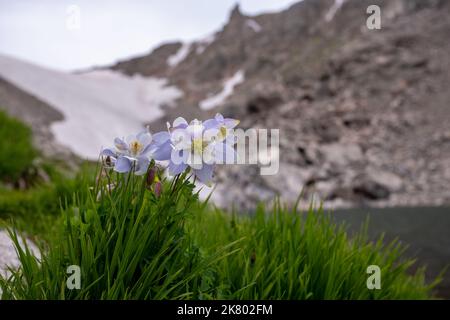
(363, 114)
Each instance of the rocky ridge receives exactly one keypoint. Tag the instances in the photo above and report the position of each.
(363, 114)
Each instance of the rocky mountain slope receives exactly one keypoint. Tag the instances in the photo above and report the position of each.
(363, 114)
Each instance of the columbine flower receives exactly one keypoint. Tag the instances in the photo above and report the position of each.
(224, 125)
(193, 146)
(131, 153)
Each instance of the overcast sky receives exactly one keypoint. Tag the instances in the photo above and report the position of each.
(47, 32)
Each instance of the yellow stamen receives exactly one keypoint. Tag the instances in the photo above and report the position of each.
(222, 132)
(135, 147)
(198, 145)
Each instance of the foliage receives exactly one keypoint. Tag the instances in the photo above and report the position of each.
(134, 244)
(16, 150)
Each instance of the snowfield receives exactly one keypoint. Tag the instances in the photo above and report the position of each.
(97, 105)
(180, 55)
(204, 43)
(228, 89)
(255, 26)
(334, 9)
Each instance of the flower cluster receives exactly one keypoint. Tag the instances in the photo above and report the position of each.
(195, 146)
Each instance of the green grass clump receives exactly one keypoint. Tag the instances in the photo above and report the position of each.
(16, 149)
(134, 244)
(35, 210)
(285, 254)
(128, 242)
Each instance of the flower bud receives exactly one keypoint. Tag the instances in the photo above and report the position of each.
(151, 174)
(158, 189)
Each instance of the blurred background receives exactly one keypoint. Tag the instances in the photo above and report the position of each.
(363, 114)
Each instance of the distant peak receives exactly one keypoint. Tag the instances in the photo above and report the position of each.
(236, 12)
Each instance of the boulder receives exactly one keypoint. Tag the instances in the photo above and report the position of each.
(342, 154)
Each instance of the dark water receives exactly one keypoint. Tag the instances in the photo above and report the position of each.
(426, 231)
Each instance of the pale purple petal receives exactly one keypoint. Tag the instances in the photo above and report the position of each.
(211, 124)
(108, 153)
(211, 135)
(144, 138)
(147, 149)
(122, 165)
(130, 138)
(195, 129)
(231, 123)
(181, 139)
(219, 117)
(142, 165)
(162, 152)
(180, 122)
(120, 144)
(205, 174)
(175, 169)
(161, 137)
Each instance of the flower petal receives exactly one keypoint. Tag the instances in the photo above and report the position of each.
(147, 149)
(209, 154)
(195, 129)
(211, 135)
(180, 122)
(108, 153)
(144, 138)
(205, 174)
(162, 152)
(142, 165)
(224, 154)
(161, 137)
(211, 124)
(120, 144)
(181, 139)
(219, 117)
(175, 169)
(122, 165)
(130, 138)
(231, 123)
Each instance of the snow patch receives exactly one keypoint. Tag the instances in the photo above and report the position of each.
(180, 55)
(8, 254)
(228, 88)
(97, 106)
(334, 9)
(204, 43)
(255, 26)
